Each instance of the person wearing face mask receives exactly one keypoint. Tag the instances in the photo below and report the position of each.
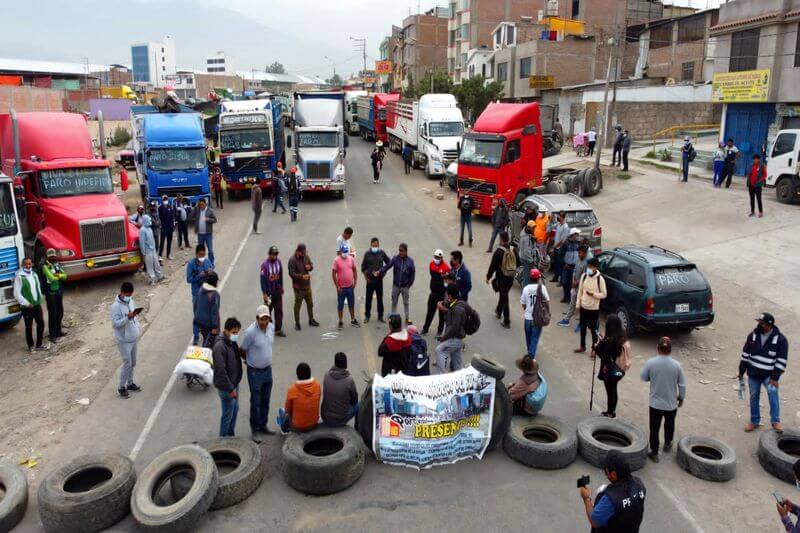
(373, 261)
(28, 292)
(125, 321)
(182, 210)
(256, 348)
(228, 375)
(136, 218)
(438, 269)
(787, 506)
(764, 359)
(591, 290)
(300, 267)
(155, 221)
(147, 245)
(166, 214)
(197, 270)
(54, 277)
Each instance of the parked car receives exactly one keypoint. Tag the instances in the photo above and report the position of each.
(451, 174)
(653, 288)
(579, 215)
(126, 157)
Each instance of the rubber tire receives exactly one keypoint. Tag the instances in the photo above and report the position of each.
(93, 510)
(773, 459)
(707, 469)
(235, 486)
(592, 182)
(628, 322)
(184, 514)
(488, 366)
(552, 187)
(575, 184)
(786, 190)
(501, 416)
(365, 418)
(547, 456)
(15, 499)
(329, 474)
(594, 452)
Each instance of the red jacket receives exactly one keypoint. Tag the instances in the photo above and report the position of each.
(758, 175)
(438, 273)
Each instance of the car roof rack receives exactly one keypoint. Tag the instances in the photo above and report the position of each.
(668, 252)
(624, 249)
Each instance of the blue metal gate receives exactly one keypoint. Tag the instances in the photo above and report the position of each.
(748, 126)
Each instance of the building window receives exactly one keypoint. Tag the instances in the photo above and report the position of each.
(687, 71)
(661, 36)
(464, 60)
(452, 11)
(524, 67)
(483, 70)
(744, 50)
(451, 64)
(797, 48)
(162, 50)
(502, 71)
(510, 35)
(576, 8)
(692, 29)
(465, 31)
(451, 37)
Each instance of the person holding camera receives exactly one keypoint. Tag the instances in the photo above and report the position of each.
(786, 506)
(619, 506)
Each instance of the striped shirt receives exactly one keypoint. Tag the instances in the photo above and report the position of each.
(764, 358)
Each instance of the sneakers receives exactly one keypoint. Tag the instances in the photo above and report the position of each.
(340, 325)
(297, 327)
(280, 333)
(313, 323)
(654, 457)
(381, 320)
(133, 387)
(254, 437)
(579, 350)
(506, 325)
(42, 348)
(751, 427)
(266, 431)
(355, 323)
(366, 320)
(777, 427)
(667, 447)
(123, 393)
(563, 323)
(761, 215)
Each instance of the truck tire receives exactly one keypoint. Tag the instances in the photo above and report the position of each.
(15, 499)
(501, 416)
(552, 187)
(786, 190)
(488, 366)
(183, 514)
(706, 458)
(592, 182)
(365, 418)
(574, 183)
(236, 485)
(777, 453)
(89, 493)
(598, 435)
(323, 460)
(541, 442)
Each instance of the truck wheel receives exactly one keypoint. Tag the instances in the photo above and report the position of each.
(706, 458)
(552, 187)
(323, 460)
(777, 453)
(786, 190)
(15, 499)
(598, 435)
(592, 182)
(575, 184)
(541, 442)
(488, 366)
(501, 416)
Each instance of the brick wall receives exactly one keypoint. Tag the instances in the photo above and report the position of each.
(643, 119)
(30, 99)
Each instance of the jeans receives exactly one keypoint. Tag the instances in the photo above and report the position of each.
(276, 307)
(55, 314)
(466, 221)
(207, 240)
(589, 319)
(294, 199)
(718, 172)
(755, 396)
(183, 233)
(450, 349)
(755, 194)
(616, 158)
(532, 335)
(495, 233)
(374, 286)
(396, 293)
(624, 161)
(685, 165)
(591, 147)
(573, 300)
(433, 300)
(277, 201)
(127, 350)
(611, 394)
(655, 426)
(153, 266)
(502, 303)
(407, 165)
(260, 382)
(351, 412)
(256, 217)
(346, 293)
(29, 315)
(230, 409)
(566, 280)
(300, 296)
(728, 168)
(165, 238)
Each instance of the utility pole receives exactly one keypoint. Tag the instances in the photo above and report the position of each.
(598, 146)
(361, 46)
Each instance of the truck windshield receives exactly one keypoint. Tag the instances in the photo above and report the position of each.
(176, 159)
(446, 129)
(75, 182)
(8, 221)
(313, 139)
(244, 140)
(481, 152)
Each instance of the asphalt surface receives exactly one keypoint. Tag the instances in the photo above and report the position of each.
(492, 494)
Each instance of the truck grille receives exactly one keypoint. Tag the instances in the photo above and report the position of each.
(318, 171)
(246, 164)
(9, 264)
(186, 190)
(482, 187)
(450, 155)
(103, 235)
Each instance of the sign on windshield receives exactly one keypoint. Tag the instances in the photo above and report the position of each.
(245, 140)
(446, 129)
(317, 139)
(482, 153)
(243, 118)
(679, 279)
(75, 181)
(8, 221)
(177, 159)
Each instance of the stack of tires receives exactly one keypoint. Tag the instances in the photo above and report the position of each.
(586, 182)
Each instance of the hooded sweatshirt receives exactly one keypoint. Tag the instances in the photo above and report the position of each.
(338, 396)
(206, 309)
(302, 403)
(147, 241)
(395, 351)
(27, 289)
(596, 284)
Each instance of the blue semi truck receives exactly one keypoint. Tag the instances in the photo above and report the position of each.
(170, 153)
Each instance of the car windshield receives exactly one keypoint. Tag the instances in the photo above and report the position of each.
(244, 140)
(8, 221)
(75, 182)
(481, 152)
(177, 159)
(679, 279)
(317, 139)
(446, 129)
(580, 219)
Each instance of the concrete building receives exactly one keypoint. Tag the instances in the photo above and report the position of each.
(220, 63)
(422, 44)
(757, 72)
(154, 63)
(387, 52)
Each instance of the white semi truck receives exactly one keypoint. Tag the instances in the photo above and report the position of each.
(351, 110)
(432, 126)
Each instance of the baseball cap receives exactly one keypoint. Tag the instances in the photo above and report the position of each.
(543, 209)
(531, 224)
(301, 247)
(767, 319)
(344, 249)
(50, 252)
(574, 231)
(261, 311)
(273, 249)
(535, 273)
(438, 253)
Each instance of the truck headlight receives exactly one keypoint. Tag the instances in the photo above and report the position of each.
(436, 158)
(65, 252)
(338, 175)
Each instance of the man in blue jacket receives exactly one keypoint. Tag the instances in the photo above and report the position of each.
(404, 274)
(764, 359)
(461, 274)
(166, 214)
(197, 270)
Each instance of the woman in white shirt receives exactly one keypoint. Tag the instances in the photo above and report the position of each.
(528, 300)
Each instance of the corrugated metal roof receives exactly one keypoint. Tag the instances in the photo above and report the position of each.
(48, 67)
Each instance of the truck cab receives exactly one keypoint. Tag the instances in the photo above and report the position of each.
(12, 251)
(66, 195)
(170, 153)
(783, 166)
(351, 110)
(502, 156)
(372, 115)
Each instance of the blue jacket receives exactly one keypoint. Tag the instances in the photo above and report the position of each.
(147, 241)
(167, 216)
(463, 280)
(419, 362)
(206, 308)
(404, 271)
(195, 273)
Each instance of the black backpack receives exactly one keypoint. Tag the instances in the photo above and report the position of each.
(472, 321)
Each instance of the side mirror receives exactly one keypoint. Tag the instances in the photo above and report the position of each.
(458, 147)
(140, 158)
(346, 141)
(212, 156)
(289, 141)
(21, 211)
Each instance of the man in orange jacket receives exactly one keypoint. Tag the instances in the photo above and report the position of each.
(301, 410)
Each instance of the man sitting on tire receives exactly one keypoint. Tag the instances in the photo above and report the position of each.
(620, 506)
(527, 383)
(301, 410)
(340, 397)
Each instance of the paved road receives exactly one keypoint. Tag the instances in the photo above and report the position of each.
(473, 495)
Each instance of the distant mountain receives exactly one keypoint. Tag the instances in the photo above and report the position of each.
(102, 31)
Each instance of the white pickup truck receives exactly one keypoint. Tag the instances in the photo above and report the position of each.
(783, 166)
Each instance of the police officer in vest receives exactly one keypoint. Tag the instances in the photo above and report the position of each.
(619, 507)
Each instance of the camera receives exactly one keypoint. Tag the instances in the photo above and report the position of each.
(583, 481)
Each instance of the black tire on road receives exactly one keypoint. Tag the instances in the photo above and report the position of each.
(554, 187)
(89, 493)
(706, 458)
(541, 442)
(786, 190)
(15, 499)
(575, 183)
(365, 418)
(592, 182)
(628, 322)
(323, 460)
(243, 455)
(598, 435)
(501, 416)
(777, 453)
(183, 514)
(488, 366)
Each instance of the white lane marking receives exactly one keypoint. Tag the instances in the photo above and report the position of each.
(151, 420)
(681, 508)
(329, 336)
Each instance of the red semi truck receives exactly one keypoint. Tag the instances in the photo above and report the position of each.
(501, 157)
(372, 115)
(65, 195)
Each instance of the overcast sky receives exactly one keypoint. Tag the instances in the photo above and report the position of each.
(298, 33)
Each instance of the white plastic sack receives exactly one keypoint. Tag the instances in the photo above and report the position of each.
(196, 361)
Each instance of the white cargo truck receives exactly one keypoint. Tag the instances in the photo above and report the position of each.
(783, 166)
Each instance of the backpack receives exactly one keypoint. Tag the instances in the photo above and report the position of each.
(541, 309)
(466, 203)
(692, 154)
(472, 322)
(508, 265)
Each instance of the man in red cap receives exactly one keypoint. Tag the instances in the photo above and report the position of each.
(533, 292)
(293, 188)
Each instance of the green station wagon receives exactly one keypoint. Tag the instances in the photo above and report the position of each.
(653, 288)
